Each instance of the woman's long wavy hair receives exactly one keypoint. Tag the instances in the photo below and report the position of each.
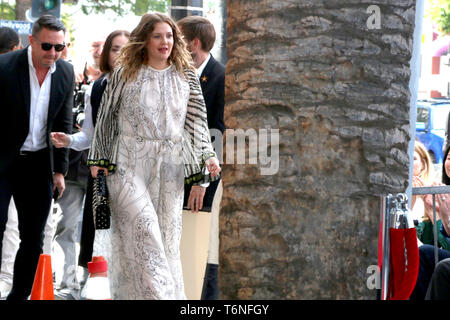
(427, 173)
(134, 54)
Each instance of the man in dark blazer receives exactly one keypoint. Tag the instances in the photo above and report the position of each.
(200, 36)
(36, 92)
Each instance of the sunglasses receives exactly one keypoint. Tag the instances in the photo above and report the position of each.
(48, 46)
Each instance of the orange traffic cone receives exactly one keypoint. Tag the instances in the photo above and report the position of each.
(43, 280)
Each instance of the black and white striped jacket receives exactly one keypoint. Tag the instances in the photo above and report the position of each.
(196, 142)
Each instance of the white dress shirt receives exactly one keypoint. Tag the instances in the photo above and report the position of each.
(39, 101)
(203, 65)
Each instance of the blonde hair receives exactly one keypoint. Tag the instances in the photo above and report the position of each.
(427, 172)
(134, 54)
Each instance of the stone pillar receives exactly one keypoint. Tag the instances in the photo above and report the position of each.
(333, 78)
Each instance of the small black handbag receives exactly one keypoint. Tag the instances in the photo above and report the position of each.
(100, 203)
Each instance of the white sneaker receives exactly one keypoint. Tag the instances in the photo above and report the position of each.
(5, 288)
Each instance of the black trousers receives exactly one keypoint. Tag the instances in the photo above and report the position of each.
(88, 228)
(210, 289)
(29, 181)
(439, 288)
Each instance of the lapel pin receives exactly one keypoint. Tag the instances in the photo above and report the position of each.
(204, 78)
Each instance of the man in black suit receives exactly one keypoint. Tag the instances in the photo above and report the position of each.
(200, 36)
(36, 91)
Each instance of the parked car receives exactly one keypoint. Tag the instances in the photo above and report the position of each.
(432, 126)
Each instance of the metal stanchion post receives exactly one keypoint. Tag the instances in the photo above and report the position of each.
(386, 207)
(435, 234)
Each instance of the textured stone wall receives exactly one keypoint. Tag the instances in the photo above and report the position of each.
(338, 93)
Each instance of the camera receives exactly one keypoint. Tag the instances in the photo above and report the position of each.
(78, 115)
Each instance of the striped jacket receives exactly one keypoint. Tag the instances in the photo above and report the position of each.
(196, 142)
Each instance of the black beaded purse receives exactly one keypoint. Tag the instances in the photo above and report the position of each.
(100, 203)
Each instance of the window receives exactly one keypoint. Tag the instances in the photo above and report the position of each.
(422, 118)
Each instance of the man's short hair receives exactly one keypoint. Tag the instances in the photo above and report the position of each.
(8, 39)
(49, 22)
(198, 27)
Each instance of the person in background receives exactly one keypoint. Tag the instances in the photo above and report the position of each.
(9, 41)
(422, 206)
(82, 140)
(439, 288)
(32, 171)
(427, 262)
(200, 36)
(96, 51)
(87, 49)
(151, 131)
(65, 54)
(423, 175)
(440, 281)
(92, 70)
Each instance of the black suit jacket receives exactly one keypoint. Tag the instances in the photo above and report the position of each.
(212, 81)
(15, 108)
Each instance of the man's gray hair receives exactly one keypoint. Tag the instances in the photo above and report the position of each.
(49, 22)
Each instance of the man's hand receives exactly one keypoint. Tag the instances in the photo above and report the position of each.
(195, 202)
(58, 182)
(59, 139)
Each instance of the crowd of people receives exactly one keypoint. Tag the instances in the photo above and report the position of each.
(433, 281)
(140, 111)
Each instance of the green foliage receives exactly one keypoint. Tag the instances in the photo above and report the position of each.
(68, 21)
(444, 20)
(7, 11)
(124, 7)
(439, 12)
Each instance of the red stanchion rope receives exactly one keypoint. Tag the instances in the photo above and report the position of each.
(404, 269)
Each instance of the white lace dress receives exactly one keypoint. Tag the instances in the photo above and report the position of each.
(146, 191)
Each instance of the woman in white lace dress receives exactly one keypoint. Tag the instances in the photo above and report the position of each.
(151, 137)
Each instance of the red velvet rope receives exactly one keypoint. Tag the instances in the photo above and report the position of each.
(402, 277)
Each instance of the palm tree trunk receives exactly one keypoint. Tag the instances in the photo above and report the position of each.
(335, 84)
(21, 7)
